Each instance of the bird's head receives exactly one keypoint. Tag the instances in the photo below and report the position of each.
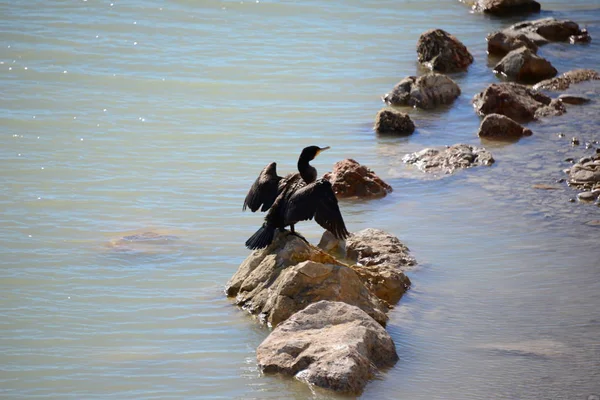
(309, 153)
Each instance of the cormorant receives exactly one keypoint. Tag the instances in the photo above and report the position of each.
(296, 197)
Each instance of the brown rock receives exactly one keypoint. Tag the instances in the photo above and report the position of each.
(543, 186)
(571, 99)
(332, 345)
(440, 51)
(523, 65)
(499, 43)
(503, 7)
(391, 121)
(515, 101)
(500, 127)
(564, 81)
(290, 274)
(350, 179)
(380, 260)
(539, 32)
(427, 91)
(448, 160)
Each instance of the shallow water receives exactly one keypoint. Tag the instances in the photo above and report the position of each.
(130, 117)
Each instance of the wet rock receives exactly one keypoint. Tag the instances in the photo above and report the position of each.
(381, 260)
(516, 101)
(523, 65)
(331, 345)
(500, 127)
(589, 196)
(290, 274)
(440, 51)
(447, 160)
(575, 141)
(572, 99)
(564, 81)
(504, 7)
(500, 44)
(393, 122)
(350, 179)
(427, 91)
(539, 32)
(583, 37)
(594, 222)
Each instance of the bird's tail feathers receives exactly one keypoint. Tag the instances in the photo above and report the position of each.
(261, 238)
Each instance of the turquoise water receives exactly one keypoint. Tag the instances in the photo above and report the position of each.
(128, 117)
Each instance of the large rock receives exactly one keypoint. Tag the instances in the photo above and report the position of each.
(350, 179)
(540, 32)
(448, 160)
(522, 65)
(586, 173)
(440, 51)
(427, 91)
(332, 345)
(290, 274)
(516, 101)
(564, 81)
(499, 127)
(391, 121)
(503, 7)
(381, 260)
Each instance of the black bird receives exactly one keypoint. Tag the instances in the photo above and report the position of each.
(296, 197)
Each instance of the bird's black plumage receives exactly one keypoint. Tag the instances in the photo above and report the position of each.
(294, 198)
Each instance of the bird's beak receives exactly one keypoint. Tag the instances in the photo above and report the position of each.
(323, 149)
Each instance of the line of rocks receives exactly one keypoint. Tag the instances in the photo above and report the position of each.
(328, 305)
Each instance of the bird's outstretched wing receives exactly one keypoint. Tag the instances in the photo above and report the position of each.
(317, 200)
(264, 190)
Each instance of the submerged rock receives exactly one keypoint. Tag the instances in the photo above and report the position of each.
(539, 32)
(440, 51)
(564, 81)
(500, 127)
(290, 274)
(516, 101)
(447, 160)
(427, 91)
(522, 65)
(332, 345)
(144, 242)
(503, 7)
(350, 179)
(393, 122)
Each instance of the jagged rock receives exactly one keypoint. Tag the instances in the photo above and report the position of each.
(391, 121)
(583, 37)
(427, 91)
(381, 260)
(500, 127)
(503, 7)
(449, 159)
(539, 32)
(440, 51)
(290, 274)
(523, 65)
(332, 345)
(572, 99)
(516, 101)
(350, 179)
(564, 81)
(501, 44)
